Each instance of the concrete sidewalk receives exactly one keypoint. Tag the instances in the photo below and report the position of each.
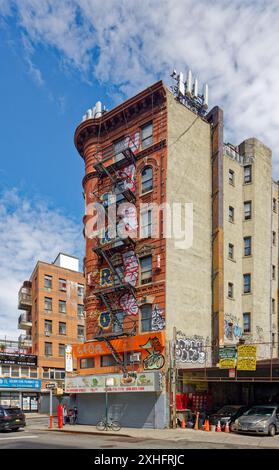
(174, 435)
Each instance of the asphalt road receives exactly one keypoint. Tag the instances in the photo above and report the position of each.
(34, 439)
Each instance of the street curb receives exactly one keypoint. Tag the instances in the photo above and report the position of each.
(95, 433)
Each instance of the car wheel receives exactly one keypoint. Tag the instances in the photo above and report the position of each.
(15, 429)
(271, 430)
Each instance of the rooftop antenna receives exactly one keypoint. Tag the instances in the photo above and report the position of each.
(187, 92)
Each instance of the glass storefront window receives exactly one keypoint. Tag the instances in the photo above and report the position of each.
(15, 371)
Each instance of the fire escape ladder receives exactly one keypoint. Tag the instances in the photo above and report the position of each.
(129, 155)
(116, 356)
(106, 257)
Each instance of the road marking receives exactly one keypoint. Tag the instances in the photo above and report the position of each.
(17, 437)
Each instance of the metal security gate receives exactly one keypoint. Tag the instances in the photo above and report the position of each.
(132, 410)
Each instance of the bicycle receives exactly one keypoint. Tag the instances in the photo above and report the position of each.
(104, 425)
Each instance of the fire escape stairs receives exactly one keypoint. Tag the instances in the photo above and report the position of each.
(116, 356)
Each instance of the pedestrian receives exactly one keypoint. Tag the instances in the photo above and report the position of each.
(71, 416)
(65, 414)
(75, 414)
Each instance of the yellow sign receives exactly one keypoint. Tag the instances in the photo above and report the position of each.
(228, 363)
(59, 391)
(247, 357)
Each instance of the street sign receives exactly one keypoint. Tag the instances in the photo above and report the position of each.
(51, 385)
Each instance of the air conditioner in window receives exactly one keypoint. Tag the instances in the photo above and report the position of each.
(136, 357)
(47, 333)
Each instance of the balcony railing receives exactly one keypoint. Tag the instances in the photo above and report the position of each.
(25, 340)
(24, 321)
(24, 296)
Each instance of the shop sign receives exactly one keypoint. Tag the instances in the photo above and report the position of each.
(68, 358)
(20, 383)
(18, 359)
(246, 357)
(143, 382)
(51, 385)
(227, 358)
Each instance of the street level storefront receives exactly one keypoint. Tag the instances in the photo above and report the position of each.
(231, 386)
(133, 401)
(22, 393)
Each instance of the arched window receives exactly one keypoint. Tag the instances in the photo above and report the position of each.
(146, 179)
(146, 317)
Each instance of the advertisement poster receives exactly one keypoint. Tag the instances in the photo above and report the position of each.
(246, 357)
(68, 359)
(227, 358)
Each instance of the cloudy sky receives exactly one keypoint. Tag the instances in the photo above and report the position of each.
(58, 57)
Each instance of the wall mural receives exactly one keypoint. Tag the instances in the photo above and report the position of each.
(105, 277)
(129, 304)
(190, 349)
(157, 320)
(154, 360)
(128, 176)
(131, 267)
(104, 320)
(232, 330)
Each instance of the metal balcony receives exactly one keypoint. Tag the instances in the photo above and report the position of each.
(24, 296)
(25, 340)
(116, 330)
(25, 321)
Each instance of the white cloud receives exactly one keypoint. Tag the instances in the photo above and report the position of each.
(29, 231)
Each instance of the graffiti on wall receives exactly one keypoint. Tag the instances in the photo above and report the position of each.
(104, 320)
(232, 330)
(128, 177)
(157, 320)
(129, 304)
(190, 349)
(105, 277)
(131, 267)
(155, 358)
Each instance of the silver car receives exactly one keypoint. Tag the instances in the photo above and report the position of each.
(261, 419)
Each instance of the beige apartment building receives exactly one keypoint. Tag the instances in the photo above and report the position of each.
(53, 315)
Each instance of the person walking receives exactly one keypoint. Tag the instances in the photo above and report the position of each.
(75, 414)
(65, 414)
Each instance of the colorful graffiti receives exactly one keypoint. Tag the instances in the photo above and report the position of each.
(232, 330)
(157, 320)
(131, 267)
(105, 277)
(128, 304)
(155, 358)
(190, 349)
(104, 320)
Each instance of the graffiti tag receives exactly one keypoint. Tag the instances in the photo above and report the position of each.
(154, 360)
(190, 350)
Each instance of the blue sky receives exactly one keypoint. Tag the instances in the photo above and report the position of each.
(58, 57)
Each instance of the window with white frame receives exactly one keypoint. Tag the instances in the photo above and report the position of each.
(48, 303)
(247, 174)
(146, 224)
(62, 285)
(146, 135)
(146, 269)
(247, 210)
(146, 179)
(47, 281)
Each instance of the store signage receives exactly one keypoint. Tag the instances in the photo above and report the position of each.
(144, 382)
(247, 357)
(20, 383)
(51, 385)
(227, 357)
(18, 359)
(68, 358)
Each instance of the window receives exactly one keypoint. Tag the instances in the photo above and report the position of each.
(62, 350)
(33, 373)
(146, 135)
(119, 146)
(247, 322)
(146, 179)
(274, 205)
(80, 311)
(247, 174)
(80, 330)
(80, 290)
(118, 319)
(59, 374)
(247, 246)
(48, 303)
(247, 210)
(247, 283)
(230, 290)
(273, 272)
(146, 224)
(62, 306)
(62, 285)
(48, 282)
(146, 317)
(273, 306)
(48, 349)
(62, 328)
(231, 214)
(86, 363)
(231, 251)
(48, 327)
(273, 339)
(231, 177)
(146, 269)
(45, 373)
(274, 238)
(24, 372)
(15, 371)
(108, 360)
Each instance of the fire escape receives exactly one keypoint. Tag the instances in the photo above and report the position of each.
(106, 252)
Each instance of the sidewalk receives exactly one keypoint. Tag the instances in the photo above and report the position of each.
(176, 435)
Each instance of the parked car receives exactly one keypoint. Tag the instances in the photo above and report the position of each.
(11, 418)
(227, 414)
(261, 419)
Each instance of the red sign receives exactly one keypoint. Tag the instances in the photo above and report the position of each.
(232, 373)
